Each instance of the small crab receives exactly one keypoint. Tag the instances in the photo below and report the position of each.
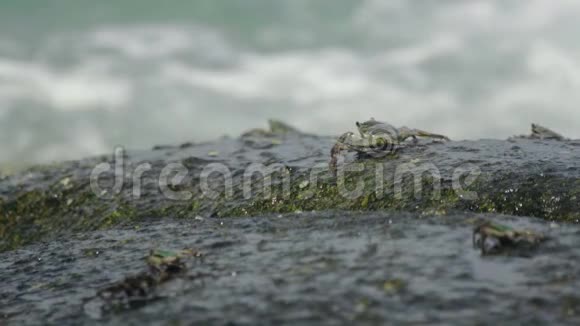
(164, 264)
(493, 238)
(375, 138)
(136, 290)
(540, 132)
(545, 133)
(276, 128)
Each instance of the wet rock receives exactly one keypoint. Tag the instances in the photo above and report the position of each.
(539, 179)
(325, 267)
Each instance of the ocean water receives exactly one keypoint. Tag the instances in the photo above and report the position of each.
(78, 77)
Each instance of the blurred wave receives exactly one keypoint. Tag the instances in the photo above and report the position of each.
(79, 77)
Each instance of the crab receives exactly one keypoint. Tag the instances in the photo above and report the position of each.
(545, 133)
(502, 237)
(540, 132)
(136, 290)
(376, 138)
(164, 264)
(276, 128)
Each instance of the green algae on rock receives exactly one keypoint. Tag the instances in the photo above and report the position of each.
(524, 177)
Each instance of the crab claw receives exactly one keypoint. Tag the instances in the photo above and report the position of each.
(338, 147)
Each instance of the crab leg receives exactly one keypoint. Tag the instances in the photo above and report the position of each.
(334, 153)
(337, 149)
(405, 133)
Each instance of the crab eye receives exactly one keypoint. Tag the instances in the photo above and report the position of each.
(358, 124)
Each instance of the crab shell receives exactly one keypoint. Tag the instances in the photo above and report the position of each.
(377, 145)
(162, 261)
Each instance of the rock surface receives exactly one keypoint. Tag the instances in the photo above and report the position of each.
(310, 251)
